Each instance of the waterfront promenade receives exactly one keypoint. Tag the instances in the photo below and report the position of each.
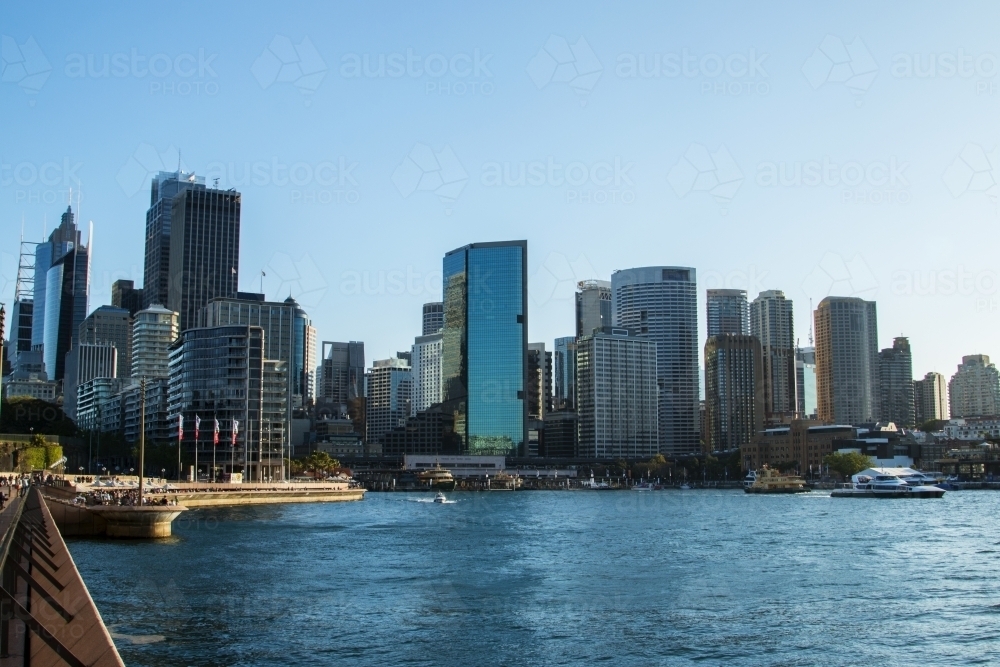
(203, 494)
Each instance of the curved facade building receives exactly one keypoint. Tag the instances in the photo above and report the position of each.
(661, 303)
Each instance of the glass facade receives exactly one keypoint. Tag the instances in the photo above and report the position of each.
(484, 348)
(65, 308)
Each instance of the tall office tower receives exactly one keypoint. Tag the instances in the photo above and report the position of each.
(153, 332)
(310, 337)
(484, 365)
(593, 306)
(734, 391)
(192, 245)
(618, 396)
(62, 239)
(974, 389)
(433, 317)
(805, 381)
(125, 295)
(728, 312)
(564, 369)
(284, 324)
(21, 316)
(930, 398)
(426, 359)
(846, 361)
(67, 288)
(390, 387)
(108, 324)
(156, 270)
(222, 373)
(342, 378)
(539, 385)
(204, 250)
(661, 303)
(771, 322)
(895, 367)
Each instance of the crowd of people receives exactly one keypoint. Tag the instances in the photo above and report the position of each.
(122, 497)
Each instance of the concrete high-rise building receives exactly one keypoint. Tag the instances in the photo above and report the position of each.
(310, 337)
(222, 373)
(734, 391)
(108, 324)
(847, 377)
(727, 312)
(930, 398)
(153, 332)
(484, 366)
(771, 321)
(156, 270)
(192, 245)
(661, 303)
(67, 292)
(617, 395)
(564, 370)
(284, 324)
(805, 381)
(389, 392)
(426, 360)
(539, 384)
(125, 295)
(896, 384)
(433, 317)
(62, 239)
(974, 389)
(593, 306)
(84, 362)
(342, 375)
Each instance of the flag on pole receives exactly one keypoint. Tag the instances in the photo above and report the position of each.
(180, 427)
(215, 437)
(197, 426)
(236, 429)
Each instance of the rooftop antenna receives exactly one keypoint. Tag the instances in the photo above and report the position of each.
(178, 164)
(810, 323)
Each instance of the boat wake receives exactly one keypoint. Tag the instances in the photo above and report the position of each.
(431, 500)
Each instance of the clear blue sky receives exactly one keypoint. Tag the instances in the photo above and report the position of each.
(341, 206)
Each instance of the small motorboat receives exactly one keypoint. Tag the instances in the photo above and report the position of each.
(439, 498)
(685, 487)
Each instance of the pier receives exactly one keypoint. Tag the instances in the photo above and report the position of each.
(47, 616)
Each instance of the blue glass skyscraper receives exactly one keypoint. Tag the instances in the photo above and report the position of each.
(485, 341)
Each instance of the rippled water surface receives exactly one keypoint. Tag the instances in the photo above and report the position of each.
(669, 577)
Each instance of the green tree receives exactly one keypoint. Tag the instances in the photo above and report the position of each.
(321, 462)
(847, 463)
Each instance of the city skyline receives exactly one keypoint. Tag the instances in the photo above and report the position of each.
(809, 239)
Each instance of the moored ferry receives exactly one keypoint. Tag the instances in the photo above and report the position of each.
(772, 481)
(437, 478)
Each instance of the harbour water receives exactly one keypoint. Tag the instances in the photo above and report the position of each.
(527, 578)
